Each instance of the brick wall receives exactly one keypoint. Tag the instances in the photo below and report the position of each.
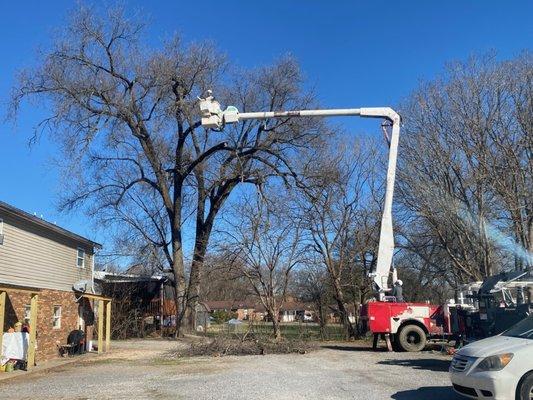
(47, 335)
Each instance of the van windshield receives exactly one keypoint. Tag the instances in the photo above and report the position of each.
(524, 329)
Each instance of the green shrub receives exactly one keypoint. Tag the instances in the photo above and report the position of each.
(221, 316)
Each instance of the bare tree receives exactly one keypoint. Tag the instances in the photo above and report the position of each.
(135, 154)
(333, 203)
(265, 243)
(421, 283)
(312, 285)
(466, 173)
(221, 280)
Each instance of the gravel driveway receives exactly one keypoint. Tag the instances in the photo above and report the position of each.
(137, 370)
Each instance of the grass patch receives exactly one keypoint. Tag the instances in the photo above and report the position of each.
(165, 361)
(104, 361)
(290, 331)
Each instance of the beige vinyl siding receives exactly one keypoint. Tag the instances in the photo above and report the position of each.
(35, 256)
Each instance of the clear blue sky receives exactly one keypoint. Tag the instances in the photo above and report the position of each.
(354, 53)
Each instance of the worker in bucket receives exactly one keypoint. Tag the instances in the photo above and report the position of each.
(397, 291)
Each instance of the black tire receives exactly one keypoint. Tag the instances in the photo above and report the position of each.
(525, 389)
(412, 338)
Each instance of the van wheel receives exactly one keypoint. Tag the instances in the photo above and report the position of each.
(525, 390)
(412, 338)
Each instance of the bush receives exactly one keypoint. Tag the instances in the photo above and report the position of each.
(221, 316)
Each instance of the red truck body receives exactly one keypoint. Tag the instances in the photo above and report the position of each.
(383, 317)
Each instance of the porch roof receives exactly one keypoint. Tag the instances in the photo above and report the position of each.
(6, 287)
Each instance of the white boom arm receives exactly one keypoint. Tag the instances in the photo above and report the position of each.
(214, 117)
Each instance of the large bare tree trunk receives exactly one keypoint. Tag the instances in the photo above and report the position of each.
(203, 233)
(178, 271)
(197, 264)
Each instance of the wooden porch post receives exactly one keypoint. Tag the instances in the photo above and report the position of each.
(100, 326)
(108, 325)
(33, 329)
(2, 313)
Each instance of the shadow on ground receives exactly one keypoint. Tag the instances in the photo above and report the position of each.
(430, 392)
(352, 348)
(423, 363)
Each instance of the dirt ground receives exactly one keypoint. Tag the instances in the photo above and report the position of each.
(138, 369)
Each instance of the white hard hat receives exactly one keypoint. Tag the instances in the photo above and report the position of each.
(399, 282)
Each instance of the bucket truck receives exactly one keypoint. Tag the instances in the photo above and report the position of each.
(406, 325)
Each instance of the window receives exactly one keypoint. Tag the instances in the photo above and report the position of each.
(57, 317)
(27, 313)
(81, 258)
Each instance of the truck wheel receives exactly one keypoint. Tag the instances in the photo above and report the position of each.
(525, 390)
(412, 338)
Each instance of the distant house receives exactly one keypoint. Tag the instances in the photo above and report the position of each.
(46, 283)
(292, 311)
(243, 310)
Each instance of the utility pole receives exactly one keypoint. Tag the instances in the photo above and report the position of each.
(214, 118)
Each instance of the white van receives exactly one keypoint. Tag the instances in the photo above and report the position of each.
(497, 368)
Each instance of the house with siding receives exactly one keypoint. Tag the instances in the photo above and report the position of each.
(46, 282)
